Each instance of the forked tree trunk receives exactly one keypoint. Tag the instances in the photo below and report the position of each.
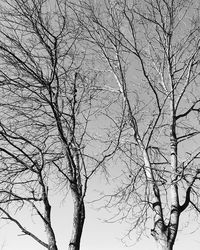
(78, 222)
(165, 235)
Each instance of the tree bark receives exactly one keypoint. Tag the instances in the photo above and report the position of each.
(78, 222)
(47, 218)
(51, 239)
(162, 239)
(164, 246)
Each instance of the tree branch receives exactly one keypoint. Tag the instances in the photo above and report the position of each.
(24, 230)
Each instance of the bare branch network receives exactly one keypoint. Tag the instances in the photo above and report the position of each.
(86, 85)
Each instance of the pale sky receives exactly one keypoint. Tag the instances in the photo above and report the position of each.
(97, 235)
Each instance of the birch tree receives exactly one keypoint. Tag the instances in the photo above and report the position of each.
(50, 102)
(150, 50)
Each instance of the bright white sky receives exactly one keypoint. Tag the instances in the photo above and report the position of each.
(97, 234)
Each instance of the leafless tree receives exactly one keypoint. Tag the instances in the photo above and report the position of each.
(50, 109)
(150, 50)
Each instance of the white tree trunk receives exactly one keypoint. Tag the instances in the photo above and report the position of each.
(78, 222)
(163, 243)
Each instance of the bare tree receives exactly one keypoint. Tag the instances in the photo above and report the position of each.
(150, 50)
(50, 106)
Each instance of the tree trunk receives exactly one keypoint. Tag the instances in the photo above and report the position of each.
(49, 231)
(164, 235)
(164, 246)
(78, 222)
(54, 247)
(51, 240)
(47, 217)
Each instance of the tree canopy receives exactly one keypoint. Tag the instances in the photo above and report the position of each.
(85, 85)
